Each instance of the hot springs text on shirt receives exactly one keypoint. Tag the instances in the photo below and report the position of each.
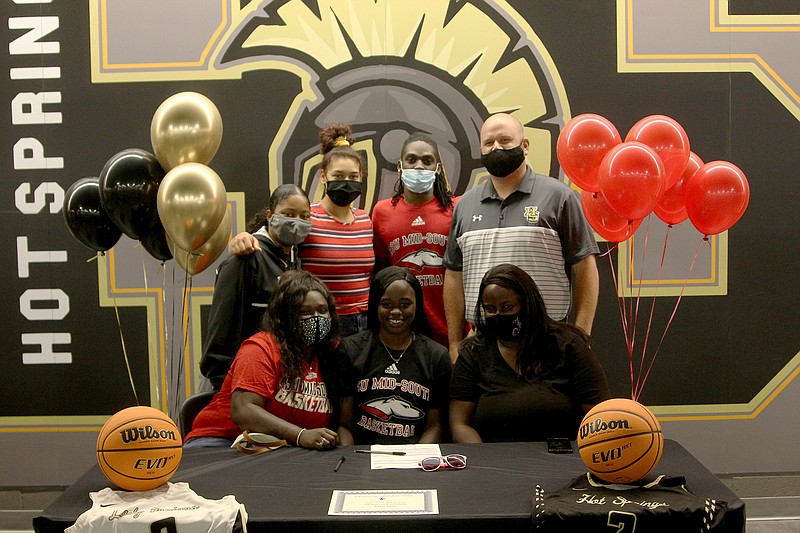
(31, 28)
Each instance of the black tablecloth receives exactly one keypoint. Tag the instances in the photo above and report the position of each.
(290, 489)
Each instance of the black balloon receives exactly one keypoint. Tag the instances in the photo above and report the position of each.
(129, 191)
(86, 219)
(155, 243)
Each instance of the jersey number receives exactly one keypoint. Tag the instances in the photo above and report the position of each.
(623, 522)
(165, 525)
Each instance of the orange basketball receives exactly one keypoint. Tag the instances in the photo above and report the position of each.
(620, 440)
(139, 448)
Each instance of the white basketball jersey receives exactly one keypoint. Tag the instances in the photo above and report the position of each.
(171, 508)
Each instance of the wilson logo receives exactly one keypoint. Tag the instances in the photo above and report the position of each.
(596, 426)
(145, 433)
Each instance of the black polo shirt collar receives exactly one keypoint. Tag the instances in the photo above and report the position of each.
(525, 186)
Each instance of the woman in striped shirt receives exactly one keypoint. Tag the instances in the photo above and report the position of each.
(339, 248)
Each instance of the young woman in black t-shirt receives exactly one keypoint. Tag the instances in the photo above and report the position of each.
(401, 376)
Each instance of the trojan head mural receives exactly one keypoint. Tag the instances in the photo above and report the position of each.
(389, 69)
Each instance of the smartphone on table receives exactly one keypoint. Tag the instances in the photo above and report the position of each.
(559, 445)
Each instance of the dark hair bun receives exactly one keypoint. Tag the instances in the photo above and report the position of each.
(334, 135)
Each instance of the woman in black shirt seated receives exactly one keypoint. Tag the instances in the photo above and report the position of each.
(401, 375)
(524, 376)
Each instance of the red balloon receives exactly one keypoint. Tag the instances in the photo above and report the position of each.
(716, 197)
(632, 179)
(668, 139)
(604, 220)
(581, 146)
(672, 207)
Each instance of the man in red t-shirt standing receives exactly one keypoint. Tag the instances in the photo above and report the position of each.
(411, 228)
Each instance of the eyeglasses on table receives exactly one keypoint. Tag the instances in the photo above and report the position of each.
(455, 460)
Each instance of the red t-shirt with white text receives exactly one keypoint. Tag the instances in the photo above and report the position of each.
(257, 368)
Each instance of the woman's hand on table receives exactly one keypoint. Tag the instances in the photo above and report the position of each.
(318, 439)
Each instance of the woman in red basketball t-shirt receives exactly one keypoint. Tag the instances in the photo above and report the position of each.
(288, 380)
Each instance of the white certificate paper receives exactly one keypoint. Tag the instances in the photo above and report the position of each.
(384, 502)
(414, 453)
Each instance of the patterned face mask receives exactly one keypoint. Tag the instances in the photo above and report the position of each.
(314, 329)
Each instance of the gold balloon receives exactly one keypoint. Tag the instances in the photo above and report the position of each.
(186, 128)
(191, 203)
(200, 259)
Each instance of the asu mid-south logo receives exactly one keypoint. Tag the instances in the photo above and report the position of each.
(532, 213)
(392, 407)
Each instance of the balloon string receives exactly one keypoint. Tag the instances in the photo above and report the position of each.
(630, 305)
(622, 313)
(635, 315)
(674, 310)
(122, 342)
(162, 273)
(146, 292)
(185, 316)
(172, 321)
(640, 386)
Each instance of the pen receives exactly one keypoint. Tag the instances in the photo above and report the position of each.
(381, 452)
(336, 469)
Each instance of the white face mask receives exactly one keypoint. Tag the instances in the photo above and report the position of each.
(418, 180)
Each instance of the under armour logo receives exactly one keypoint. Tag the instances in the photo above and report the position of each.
(477, 218)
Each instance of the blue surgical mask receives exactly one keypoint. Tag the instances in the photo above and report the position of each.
(418, 180)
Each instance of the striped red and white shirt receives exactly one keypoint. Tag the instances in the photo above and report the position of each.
(342, 256)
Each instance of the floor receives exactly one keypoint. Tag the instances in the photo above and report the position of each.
(772, 503)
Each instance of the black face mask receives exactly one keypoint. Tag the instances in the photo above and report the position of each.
(501, 163)
(504, 327)
(343, 192)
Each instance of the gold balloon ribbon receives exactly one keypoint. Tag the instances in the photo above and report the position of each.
(122, 340)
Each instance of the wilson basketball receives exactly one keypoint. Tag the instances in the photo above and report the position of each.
(620, 440)
(139, 448)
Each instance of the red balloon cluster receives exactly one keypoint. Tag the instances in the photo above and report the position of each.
(652, 170)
